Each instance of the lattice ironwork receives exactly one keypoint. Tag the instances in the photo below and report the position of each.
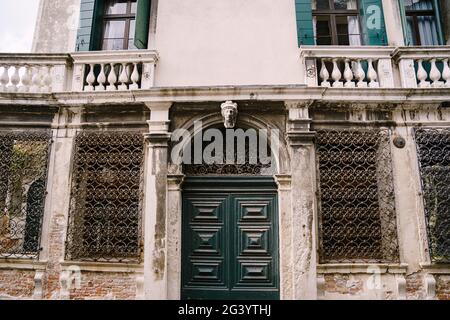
(106, 197)
(23, 177)
(433, 146)
(357, 210)
(250, 166)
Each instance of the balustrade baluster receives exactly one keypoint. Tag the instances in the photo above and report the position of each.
(360, 75)
(4, 78)
(336, 75)
(26, 79)
(422, 75)
(435, 75)
(112, 79)
(90, 79)
(372, 75)
(123, 78)
(324, 74)
(348, 75)
(446, 72)
(135, 77)
(101, 79)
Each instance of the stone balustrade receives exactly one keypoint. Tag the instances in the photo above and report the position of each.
(349, 67)
(34, 73)
(113, 70)
(423, 67)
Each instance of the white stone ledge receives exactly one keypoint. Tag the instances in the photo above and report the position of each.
(110, 267)
(351, 52)
(362, 268)
(436, 268)
(22, 264)
(299, 93)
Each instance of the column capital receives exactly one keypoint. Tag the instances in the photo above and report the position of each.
(158, 139)
(300, 138)
(174, 181)
(283, 181)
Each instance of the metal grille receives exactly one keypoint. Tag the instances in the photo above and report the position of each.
(251, 166)
(106, 197)
(434, 157)
(357, 211)
(23, 176)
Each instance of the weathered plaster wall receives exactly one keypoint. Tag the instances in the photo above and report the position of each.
(56, 26)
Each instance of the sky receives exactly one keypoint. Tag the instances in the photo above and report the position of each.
(17, 22)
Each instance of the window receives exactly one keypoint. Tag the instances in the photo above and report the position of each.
(336, 22)
(357, 221)
(421, 23)
(119, 25)
(106, 197)
(433, 146)
(23, 176)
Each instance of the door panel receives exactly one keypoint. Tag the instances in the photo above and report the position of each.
(229, 245)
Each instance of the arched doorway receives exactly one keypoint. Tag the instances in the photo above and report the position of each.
(230, 221)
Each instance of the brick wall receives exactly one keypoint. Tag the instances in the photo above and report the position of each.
(16, 283)
(95, 285)
(414, 286)
(443, 287)
(343, 284)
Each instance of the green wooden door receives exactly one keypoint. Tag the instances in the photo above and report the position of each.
(230, 239)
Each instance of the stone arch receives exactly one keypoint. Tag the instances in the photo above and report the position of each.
(244, 121)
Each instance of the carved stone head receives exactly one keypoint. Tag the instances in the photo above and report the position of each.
(229, 113)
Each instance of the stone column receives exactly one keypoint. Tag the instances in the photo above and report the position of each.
(303, 198)
(54, 226)
(285, 233)
(155, 188)
(174, 225)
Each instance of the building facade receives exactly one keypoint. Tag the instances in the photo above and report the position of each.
(350, 100)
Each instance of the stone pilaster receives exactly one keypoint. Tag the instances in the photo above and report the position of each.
(303, 201)
(155, 202)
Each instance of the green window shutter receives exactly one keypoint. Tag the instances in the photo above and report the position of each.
(437, 11)
(305, 32)
(142, 24)
(90, 28)
(372, 20)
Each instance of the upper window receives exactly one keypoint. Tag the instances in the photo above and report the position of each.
(336, 22)
(119, 24)
(421, 23)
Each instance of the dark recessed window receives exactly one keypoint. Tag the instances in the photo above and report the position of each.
(421, 23)
(119, 24)
(336, 22)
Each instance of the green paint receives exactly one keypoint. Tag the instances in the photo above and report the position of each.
(305, 32)
(142, 24)
(230, 239)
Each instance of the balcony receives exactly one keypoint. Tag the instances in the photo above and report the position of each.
(376, 67)
(77, 72)
(323, 67)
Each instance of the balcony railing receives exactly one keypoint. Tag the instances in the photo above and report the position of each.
(323, 66)
(349, 67)
(423, 67)
(77, 72)
(113, 71)
(35, 73)
(376, 67)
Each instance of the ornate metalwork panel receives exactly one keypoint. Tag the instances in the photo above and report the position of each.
(106, 197)
(229, 242)
(23, 178)
(357, 210)
(252, 165)
(433, 146)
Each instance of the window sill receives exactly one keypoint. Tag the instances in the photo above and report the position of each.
(119, 267)
(442, 268)
(22, 264)
(365, 268)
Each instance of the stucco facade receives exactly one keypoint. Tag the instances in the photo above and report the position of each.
(202, 53)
